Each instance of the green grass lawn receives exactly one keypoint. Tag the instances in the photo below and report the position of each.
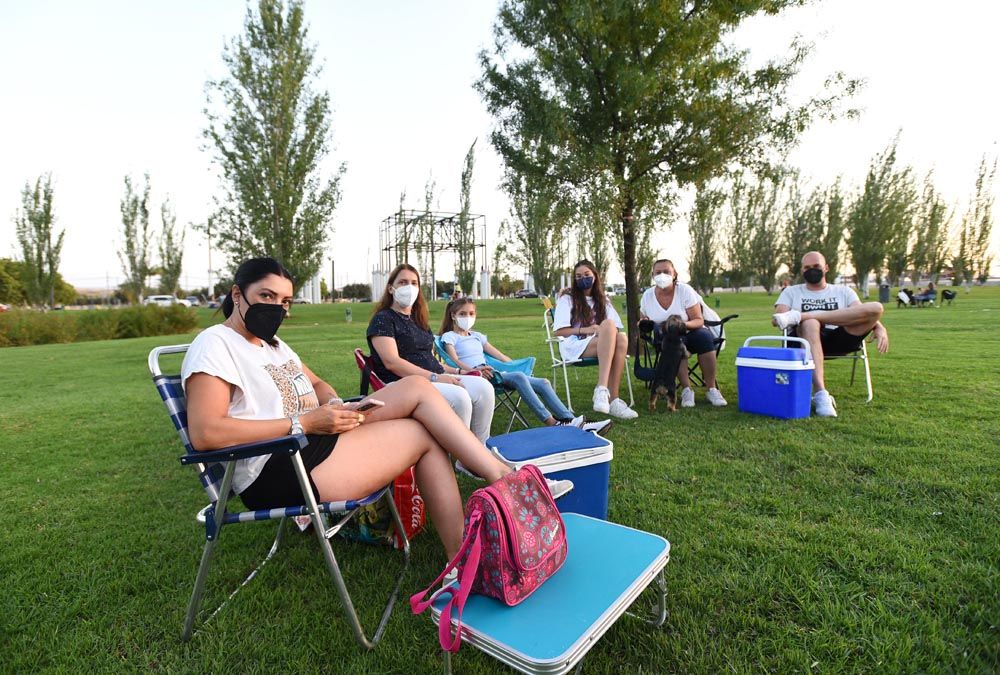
(869, 542)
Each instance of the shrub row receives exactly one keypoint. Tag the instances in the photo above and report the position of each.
(19, 328)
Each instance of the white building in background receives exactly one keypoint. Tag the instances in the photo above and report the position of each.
(310, 291)
(529, 282)
(379, 281)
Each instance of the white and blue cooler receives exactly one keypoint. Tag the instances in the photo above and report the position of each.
(564, 453)
(775, 381)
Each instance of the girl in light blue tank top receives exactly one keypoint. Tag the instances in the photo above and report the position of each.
(467, 348)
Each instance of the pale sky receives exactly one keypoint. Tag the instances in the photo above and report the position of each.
(92, 91)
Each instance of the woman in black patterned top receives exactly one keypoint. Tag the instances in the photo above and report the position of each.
(402, 344)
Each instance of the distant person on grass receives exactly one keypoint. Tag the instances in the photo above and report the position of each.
(831, 318)
(243, 384)
(467, 348)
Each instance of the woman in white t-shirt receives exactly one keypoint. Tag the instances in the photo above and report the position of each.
(591, 328)
(669, 297)
(243, 385)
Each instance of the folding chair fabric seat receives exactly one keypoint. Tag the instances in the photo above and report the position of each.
(506, 395)
(215, 471)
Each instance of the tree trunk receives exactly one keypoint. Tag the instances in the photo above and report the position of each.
(631, 280)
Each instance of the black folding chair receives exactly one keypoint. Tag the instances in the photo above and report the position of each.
(649, 349)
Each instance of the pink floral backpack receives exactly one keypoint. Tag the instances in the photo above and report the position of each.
(514, 540)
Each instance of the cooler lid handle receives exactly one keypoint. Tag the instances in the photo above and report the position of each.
(783, 338)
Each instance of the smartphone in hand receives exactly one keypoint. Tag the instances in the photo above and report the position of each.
(362, 406)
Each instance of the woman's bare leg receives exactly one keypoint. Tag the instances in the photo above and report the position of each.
(617, 363)
(683, 373)
(603, 347)
(709, 365)
(370, 456)
(416, 397)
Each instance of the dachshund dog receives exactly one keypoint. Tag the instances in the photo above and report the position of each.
(672, 352)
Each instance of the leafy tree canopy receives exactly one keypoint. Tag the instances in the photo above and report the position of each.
(270, 131)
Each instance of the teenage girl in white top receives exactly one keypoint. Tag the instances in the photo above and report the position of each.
(592, 329)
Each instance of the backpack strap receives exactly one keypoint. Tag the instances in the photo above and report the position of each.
(473, 545)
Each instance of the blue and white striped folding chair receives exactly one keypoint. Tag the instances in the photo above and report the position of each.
(506, 395)
(215, 469)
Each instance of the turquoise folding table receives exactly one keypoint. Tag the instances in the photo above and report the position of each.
(607, 567)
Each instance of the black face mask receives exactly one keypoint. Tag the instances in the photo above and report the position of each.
(263, 319)
(813, 275)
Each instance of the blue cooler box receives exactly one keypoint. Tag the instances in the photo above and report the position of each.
(564, 453)
(774, 381)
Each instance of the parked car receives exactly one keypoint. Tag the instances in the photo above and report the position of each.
(525, 293)
(301, 301)
(4, 308)
(165, 301)
(193, 301)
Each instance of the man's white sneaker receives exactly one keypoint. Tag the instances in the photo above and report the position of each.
(620, 409)
(577, 422)
(602, 400)
(558, 488)
(687, 398)
(714, 397)
(786, 320)
(824, 403)
(599, 428)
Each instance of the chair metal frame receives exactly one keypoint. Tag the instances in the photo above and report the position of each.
(860, 354)
(558, 362)
(506, 396)
(217, 482)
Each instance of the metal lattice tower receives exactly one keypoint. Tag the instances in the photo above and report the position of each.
(418, 237)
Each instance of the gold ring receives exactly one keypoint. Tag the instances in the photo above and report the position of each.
(361, 418)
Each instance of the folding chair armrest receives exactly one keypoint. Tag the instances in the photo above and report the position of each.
(288, 445)
(722, 321)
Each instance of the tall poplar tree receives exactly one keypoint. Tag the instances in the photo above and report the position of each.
(646, 94)
(171, 249)
(980, 222)
(880, 214)
(40, 254)
(270, 129)
(465, 235)
(931, 224)
(538, 235)
(704, 232)
(135, 252)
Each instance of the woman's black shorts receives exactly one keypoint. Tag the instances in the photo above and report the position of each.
(277, 485)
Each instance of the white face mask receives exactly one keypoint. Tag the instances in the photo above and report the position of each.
(465, 322)
(663, 280)
(406, 295)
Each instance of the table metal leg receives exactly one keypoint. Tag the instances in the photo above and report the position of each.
(660, 612)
